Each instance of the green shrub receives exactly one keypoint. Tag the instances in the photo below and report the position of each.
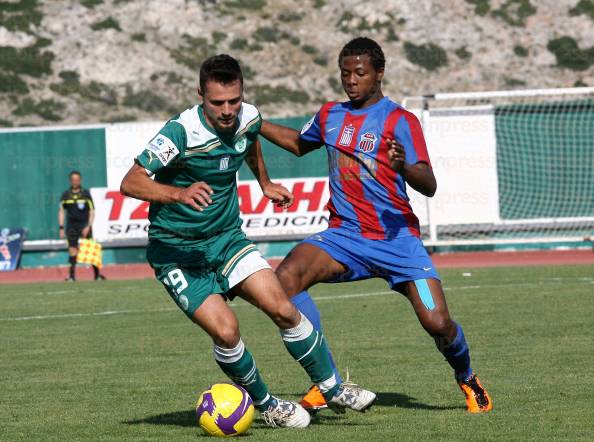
(583, 7)
(90, 3)
(520, 51)
(248, 72)
(255, 47)
(269, 34)
(514, 12)
(12, 84)
(139, 36)
(321, 60)
(318, 4)
(513, 82)
(290, 16)
(125, 118)
(308, 49)
(252, 5)
(47, 109)
(147, 101)
(21, 15)
(5, 123)
(108, 23)
(70, 83)
(195, 50)
(264, 94)
(335, 84)
(174, 78)
(481, 7)
(218, 37)
(28, 61)
(99, 92)
(463, 54)
(238, 44)
(428, 55)
(343, 20)
(392, 36)
(569, 55)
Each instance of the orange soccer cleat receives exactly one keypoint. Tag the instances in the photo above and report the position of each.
(477, 398)
(313, 401)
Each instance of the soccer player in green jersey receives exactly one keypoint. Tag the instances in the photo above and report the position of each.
(199, 252)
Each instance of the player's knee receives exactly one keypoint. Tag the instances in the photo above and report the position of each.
(285, 315)
(438, 325)
(227, 335)
(289, 275)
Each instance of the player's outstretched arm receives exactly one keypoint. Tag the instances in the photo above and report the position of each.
(419, 176)
(138, 184)
(286, 138)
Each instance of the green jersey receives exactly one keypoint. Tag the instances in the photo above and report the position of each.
(187, 150)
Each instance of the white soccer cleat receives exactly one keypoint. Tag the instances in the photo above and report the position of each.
(351, 396)
(286, 414)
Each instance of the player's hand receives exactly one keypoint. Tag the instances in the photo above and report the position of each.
(396, 155)
(197, 195)
(85, 232)
(279, 195)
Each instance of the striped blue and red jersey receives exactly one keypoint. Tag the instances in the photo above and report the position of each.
(366, 195)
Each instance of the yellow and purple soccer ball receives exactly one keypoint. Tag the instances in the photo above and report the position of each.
(225, 410)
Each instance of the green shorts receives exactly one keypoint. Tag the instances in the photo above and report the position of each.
(193, 270)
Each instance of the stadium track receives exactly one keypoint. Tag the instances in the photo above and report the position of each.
(441, 260)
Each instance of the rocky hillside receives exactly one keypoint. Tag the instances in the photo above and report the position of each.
(88, 61)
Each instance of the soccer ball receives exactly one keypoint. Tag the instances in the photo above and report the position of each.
(225, 410)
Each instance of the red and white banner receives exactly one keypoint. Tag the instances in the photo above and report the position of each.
(120, 218)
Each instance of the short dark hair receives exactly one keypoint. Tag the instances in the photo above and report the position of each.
(221, 68)
(75, 172)
(364, 46)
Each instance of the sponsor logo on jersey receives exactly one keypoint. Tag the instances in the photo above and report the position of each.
(163, 148)
(241, 144)
(367, 142)
(307, 125)
(347, 135)
(224, 164)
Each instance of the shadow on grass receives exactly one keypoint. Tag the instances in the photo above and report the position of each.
(188, 419)
(404, 401)
(177, 418)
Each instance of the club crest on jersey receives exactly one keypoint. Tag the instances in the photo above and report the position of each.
(241, 144)
(347, 135)
(367, 142)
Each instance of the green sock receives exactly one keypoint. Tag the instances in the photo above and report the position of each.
(307, 347)
(239, 365)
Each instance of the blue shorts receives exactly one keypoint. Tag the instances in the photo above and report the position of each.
(397, 260)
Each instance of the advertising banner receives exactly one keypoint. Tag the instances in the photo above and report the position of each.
(118, 217)
(11, 245)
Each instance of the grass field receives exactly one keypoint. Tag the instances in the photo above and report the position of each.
(117, 361)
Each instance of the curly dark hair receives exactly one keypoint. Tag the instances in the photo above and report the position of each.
(364, 46)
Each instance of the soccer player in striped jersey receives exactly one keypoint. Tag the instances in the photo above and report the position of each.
(375, 148)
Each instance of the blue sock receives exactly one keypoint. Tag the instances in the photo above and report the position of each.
(306, 305)
(457, 354)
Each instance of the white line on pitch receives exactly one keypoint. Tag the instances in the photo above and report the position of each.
(317, 298)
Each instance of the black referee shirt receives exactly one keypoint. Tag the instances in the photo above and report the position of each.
(77, 206)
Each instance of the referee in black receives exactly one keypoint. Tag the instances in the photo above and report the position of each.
(76, 207)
